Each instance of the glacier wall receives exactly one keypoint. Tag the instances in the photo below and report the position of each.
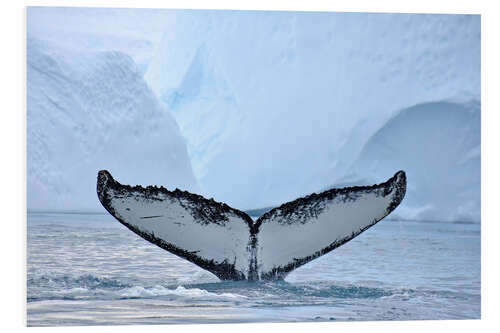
(92, 110)
(272, 105)
(275, 105)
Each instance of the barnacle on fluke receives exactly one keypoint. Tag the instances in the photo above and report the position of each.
(228, 243)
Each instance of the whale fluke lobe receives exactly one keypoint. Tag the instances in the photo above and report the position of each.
(228, 243)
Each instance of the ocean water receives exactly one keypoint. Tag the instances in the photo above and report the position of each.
(87, 269)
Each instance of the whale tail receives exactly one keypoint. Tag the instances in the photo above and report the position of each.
(228, 243)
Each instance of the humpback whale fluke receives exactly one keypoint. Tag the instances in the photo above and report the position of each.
(228, 243)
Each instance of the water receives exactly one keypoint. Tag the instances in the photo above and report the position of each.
(86, 269)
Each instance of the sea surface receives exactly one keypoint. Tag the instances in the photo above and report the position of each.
(87, 269)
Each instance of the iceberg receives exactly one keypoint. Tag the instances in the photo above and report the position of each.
(90, 110)
(439, 146)
(255, 108)
(275, 105)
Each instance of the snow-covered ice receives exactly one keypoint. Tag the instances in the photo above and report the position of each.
(270, 105)
(89, 111)
(302, 93)
(438, 144)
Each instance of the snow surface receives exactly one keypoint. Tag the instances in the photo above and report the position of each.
(283, 102)
(89, 111)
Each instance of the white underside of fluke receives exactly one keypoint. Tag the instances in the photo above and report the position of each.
(169, 221)
(281, 243)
